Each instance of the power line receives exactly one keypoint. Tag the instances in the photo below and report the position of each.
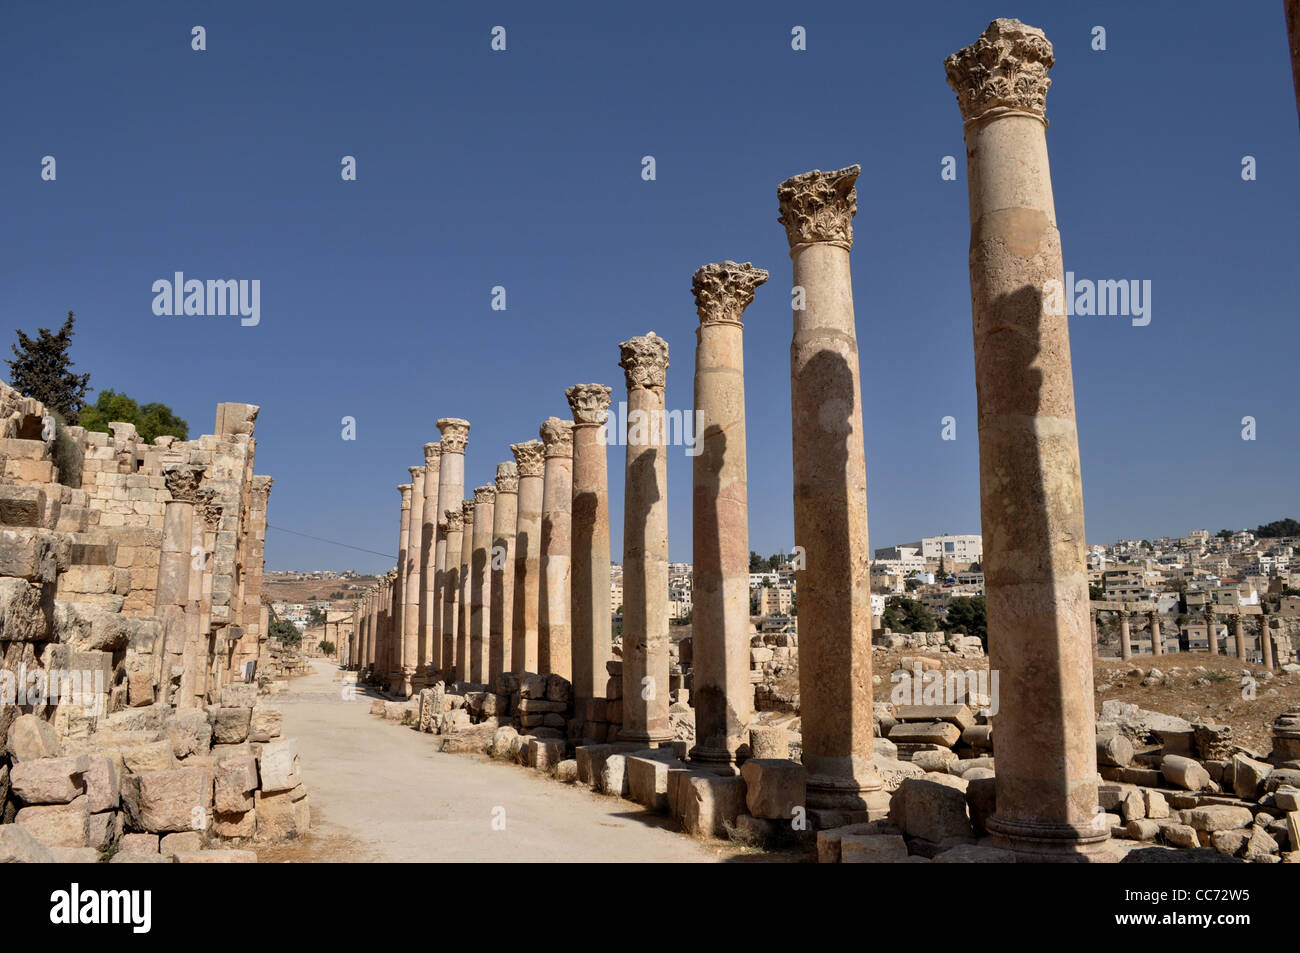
(333, 542)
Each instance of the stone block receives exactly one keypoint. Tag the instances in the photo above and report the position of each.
(1219, 817)
(567, 771)
(234, 825)
(711, 803)
(234, 782)
(959, 715)
(140, 842)
(1248, 776)
(230, 725)
(613, 776)
(974, 854)
(941, 733)
(774, 788)
(216, 857)
(544, 754)
(769, 742)
(932, 808)
(872, 848)
(31, 738)
(49, 780)
(647, 782)
(61, 825)
(265, 724)
(177, 799)
(154, 756)
(590, 759)
(283, 815)
(279, 766)
(190, 732)
(181, 842)
(1185, 773)
(18, 846)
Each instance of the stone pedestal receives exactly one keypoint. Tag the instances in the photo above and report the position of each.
(1031, 496)
(528, 555)
(830, 497)
(480, 589)
(589, 584)
(721, 692)
(502, 568)
(554, 645)
(645, 545)
(451, 489)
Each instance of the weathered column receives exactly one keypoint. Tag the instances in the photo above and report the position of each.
(411, 601)
(1211, 624)
(453, 537)
(1031, 495)
(173, 602)
(480, 589)
(528, 551)
(393, 654)
(502, 567)
(554, 641)
(830, 500)
(462, 591)
(589, 579)
(1125, 641)
(645, 544)
(1239, 635)
(1266, 642)
(1157, 641)
(451, 489)
(721, 691)
(430, 649)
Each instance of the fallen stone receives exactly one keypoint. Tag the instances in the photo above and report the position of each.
(872, 848)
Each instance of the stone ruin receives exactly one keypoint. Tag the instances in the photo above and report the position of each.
(513, 658)
(133, 639)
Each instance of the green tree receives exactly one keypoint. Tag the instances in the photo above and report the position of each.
(1096, 592)
(285, 632)
(1277, 528)
(755, 562)
(966, 614)
(151, 420)
(907, 615)
(326, 648)
(42, 369)
(315, 616)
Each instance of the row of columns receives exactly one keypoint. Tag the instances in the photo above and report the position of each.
(1211, 616)
(1030, 495)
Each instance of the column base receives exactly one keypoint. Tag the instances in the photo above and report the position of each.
(719, 759)
(835, 793)
(1050, 842)
(647, 739)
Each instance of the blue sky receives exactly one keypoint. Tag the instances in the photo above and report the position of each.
(523, 169)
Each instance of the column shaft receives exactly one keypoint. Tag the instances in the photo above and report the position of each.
(554, 638)
(528, 551)
(589, 582)
(504, 516)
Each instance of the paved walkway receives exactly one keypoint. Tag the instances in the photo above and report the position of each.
(380, 792)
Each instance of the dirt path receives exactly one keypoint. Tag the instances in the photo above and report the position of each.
(380, 792)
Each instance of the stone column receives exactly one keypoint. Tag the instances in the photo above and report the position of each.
(1157, 642)
(1211, 626)
(1092, 620)
(830, 501)
(1031, 495)
(528, 551)
(1239, 635)
(721, 691)
(502, 565)
(173, 602)
(430, 649)
(411, 601)
(1125, 641)
(451, 489)
(589, 581)
(462, 591)
(453, 537)
(1266, 642)
(645, 545)
(393, 650)
(554, 642)
(480, 588)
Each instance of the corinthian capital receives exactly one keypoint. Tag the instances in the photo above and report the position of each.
(455, 521)
(589, 403)
(405, 490)
(467, 511)
(529, 457)
(183, 482)
(417, 475)
(485, 494)
(645, 362)
(724, 290)
(455, 434)
(819, 206)
(432, 457)
(507, 477)
(557, 437)
(1006, 68)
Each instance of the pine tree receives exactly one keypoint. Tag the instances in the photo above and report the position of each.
(42, 370)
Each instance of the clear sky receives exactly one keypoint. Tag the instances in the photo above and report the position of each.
(523, 169)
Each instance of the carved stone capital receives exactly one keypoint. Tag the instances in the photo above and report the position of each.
(819, 206)
(183, 482)
(529, 457)
(432, 457)
(508, 477)
(589, 403)
(208, 507)
(1006, 68)
(405, 490)
(485, 494)
(455, 434)
(645, 362)
(417, 473)
(455, 521)
(724, 290)
(467, 511)
(557, 437)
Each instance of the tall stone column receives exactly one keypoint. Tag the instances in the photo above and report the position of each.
(720, 687)
(411, 600)
(1211, 626)
(1266, 642)
(645, 544)
(462, 591)
(1125, 640)
(1092, 621)
(451, 490)
(1031, 494)
(589, 579)
(393, 654)
(502, 567)
(830, 500)
(480, 589)
(1157, 641)
(1239, 635)
(528, 555)
(455, 525)
(554, 638)
(430, 649)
